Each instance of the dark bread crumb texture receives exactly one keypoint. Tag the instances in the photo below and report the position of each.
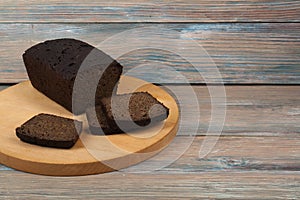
(97, 118)
(142, 108)
(52, 67)
(50, 131)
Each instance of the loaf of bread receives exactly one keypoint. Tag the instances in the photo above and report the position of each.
(50, 131)
(122, 113)
(53, 65)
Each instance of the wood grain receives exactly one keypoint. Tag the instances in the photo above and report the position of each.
(244, 53)
(250, 110)
(90, 155)
(212, 185)
(150, 11)
(257, 156)
(237, 168)
(238, 154)
(231, 153)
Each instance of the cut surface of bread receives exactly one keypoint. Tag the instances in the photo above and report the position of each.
(50, 131)
(97, 118)
(54, 65)
(125, 112)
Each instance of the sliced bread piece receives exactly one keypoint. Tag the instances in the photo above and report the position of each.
(53, 65)
(96, 119)
(50, 131)
(122, 113)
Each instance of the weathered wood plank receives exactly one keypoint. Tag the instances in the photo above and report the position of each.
(250, 110)
(244, 53)
(212, 185)
(238, 154)
(238, 167)
(229, 154)
(229, 185)
(150, 11)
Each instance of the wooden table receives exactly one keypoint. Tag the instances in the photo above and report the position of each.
(256, 47)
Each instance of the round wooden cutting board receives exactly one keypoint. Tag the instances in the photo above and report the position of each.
(91, 154)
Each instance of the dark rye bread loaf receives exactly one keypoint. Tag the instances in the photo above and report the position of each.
(50, 131)
(52, 67)
(131, 111)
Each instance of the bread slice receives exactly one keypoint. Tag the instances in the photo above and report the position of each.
(122, 113)
(53, 65)
(96, 119)
(50, 131)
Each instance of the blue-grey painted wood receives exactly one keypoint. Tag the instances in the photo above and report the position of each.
(229, 153)
(149, 11)
(256, 167)
(250, 110)
(243, 52)
(237, 168)
(206, 185)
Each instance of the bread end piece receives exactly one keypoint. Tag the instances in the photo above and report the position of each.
(50, 131)
(142, 107)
